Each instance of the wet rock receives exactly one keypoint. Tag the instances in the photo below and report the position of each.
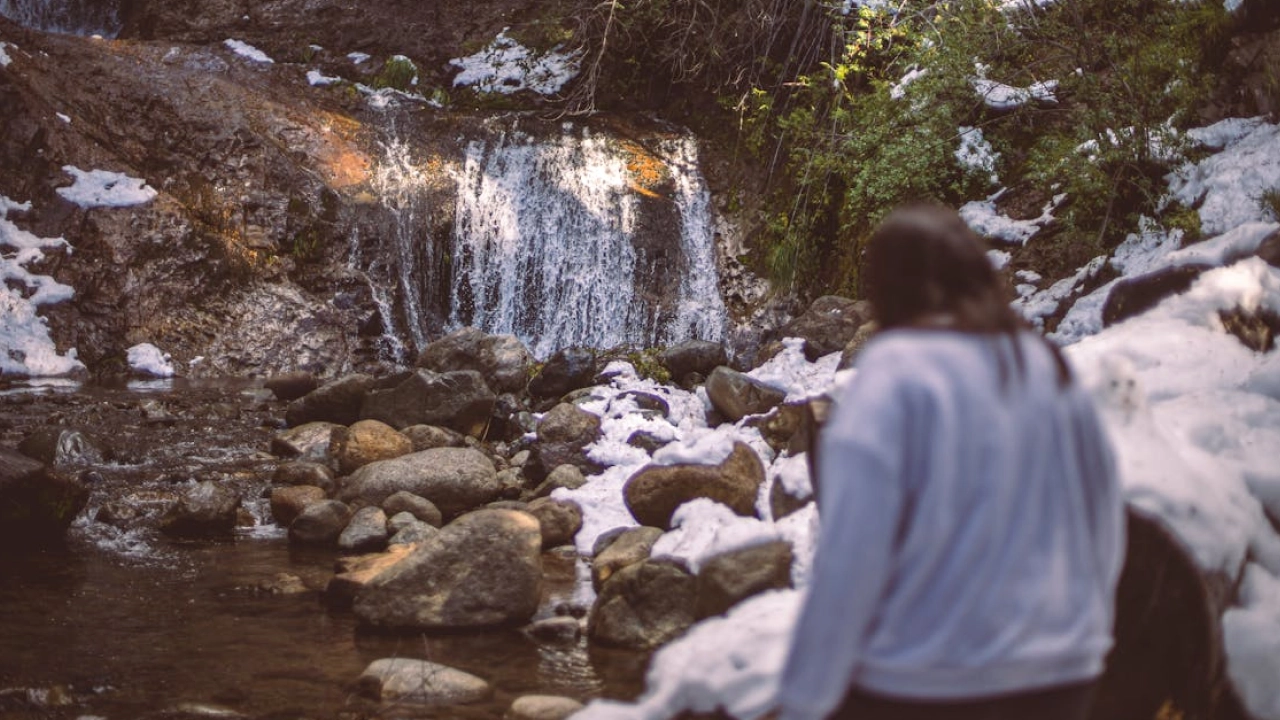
(413, 533)
(736, 395)
(59, 446)
(290, 386)
(335, 402)
(354, 572)
(648, 441)
(629, 547)
(366, 532)
(828, 325)
(288, 502)
(117, 514)
(483, 569)
(459, 400)
(644, 605)
(1135, 295)
(693, 356)
(365, 442)
(204, 509)
(563, 433)
(419, 507)
(564, 476)
(321, 523)
(404, 680)
(37, 504)
(454, 479)
(309, 442)
(303, 472)
(543, 707)
(729, 578)
(559, 629)
(502, 359)
(560, 520)
(655, 491)
(429, 437)
(567, 370)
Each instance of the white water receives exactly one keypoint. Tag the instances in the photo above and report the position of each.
(76, 17)
(545, 244)
(401, 186)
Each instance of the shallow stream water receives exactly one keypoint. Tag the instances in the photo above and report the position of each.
(126, 623)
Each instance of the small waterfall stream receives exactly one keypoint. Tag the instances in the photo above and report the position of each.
(75, 17)
(584, 239)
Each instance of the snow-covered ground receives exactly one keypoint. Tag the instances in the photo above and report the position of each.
(506, 66)
(1194, 415)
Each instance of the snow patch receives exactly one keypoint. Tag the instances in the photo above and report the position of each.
(507, 67)
(4, 56)
(317, 78)
(247, 51)
(1227, 187)
(983, 218)
(976, 154)
(103, 188)
(150, 360)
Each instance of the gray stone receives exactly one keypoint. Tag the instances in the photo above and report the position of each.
(204, 509)
(292, 385)
(405, 680)
(420, 507)
(58, 446)
(413, 534)
(644, 605)
(692, 356)
(729, 578)
(366, 532)
(569, 369)
(560, 520)
(629, 547)
(564, 476)
(562, 434)
(543, 707)
(309, 442)
(429, 437)
(655, 491)
(502, 360)
(459, 400)
(304, 472)
(321, 523)
(454, 479)
(37, 504)
(483, 569)
(336, 402)
(828, 325)
(736, 395)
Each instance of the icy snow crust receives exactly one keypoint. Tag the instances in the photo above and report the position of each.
(25, 346)
(247, 51)
(1194, 415)
(506, 67)
(102, 188)
(148, 359)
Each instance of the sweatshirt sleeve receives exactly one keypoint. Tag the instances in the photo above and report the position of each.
(860, 461)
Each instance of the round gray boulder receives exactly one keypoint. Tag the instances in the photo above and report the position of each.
(454, 479)
(405, 680)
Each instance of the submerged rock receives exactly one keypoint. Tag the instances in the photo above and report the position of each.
(483, 569)
(405, 680)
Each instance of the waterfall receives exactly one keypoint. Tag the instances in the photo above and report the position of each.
(584, 239)
(76, 17)
(401, 185)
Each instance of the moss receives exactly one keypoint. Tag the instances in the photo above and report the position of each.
(398, 73)
(1180, 217)
(648, 365)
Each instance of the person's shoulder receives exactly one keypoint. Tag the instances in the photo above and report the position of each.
(912, 347)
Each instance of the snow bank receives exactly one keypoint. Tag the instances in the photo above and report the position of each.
(1227, 186)
(148, 359)
(507, 67)
(247, 51)
(983, 218)
(25, 346)
(102, 188)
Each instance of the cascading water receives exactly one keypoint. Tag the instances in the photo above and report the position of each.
(76, 17)
(584, 239)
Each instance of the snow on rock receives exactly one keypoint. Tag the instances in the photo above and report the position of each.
(899, 90)
(506, 67)
(984, 219)
(790, 372)
(247, 51)
(150, 360)
(999, 96)
(1037, 305)
(1227, 187)
(102, 188)
(317, 78)
(358, 58)
(703, 528)
(26, 349)
(976, 154)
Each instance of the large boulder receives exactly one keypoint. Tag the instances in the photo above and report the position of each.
(421, 682)
(729, 578)
(644, 605)
(483, 569)
(309, 442)
(459, 400)
(655, 491)
(206, 508)
(454, 479)
(828, 325)
(693, 356)
(569, 369)
(502, 359)
(629, 547)
(36, 503)
(736, 395)
(367, 531)
(1136, 295)
(336, 402)
(563, 433)
(365, 442)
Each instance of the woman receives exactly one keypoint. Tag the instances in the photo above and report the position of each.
(972, 526)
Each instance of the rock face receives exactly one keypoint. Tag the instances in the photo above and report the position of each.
(36, 504)
(655, 491)
(735, 395)
(828, 325)
(567, 370)
(502, 360)
(365, 442)
(205, 509)
(693, 356)
(644, 605)
(459, 400)
(454, 479)
(483, 569)
(729, 578)
(404, 680)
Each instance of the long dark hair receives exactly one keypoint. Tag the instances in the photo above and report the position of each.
(924, 264)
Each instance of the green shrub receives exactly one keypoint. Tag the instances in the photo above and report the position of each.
(398, 73)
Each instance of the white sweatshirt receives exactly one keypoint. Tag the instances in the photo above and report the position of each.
(972, 529)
